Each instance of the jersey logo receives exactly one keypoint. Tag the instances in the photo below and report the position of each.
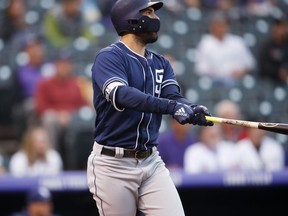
(159, 79)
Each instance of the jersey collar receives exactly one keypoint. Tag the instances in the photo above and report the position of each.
(124, 46)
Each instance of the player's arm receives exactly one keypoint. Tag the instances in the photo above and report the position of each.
(126, 97)
(122, 96)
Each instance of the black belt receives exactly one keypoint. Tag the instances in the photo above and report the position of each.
(140, 154)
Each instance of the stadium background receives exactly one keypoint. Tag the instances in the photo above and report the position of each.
(180, 33)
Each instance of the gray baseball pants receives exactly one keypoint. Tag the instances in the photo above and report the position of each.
(120, 186)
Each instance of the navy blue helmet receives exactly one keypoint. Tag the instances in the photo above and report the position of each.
(125, 14)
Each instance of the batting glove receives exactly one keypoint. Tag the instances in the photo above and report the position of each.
(182, 113)
(200, 112)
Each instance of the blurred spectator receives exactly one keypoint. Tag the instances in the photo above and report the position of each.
(260, 152)
(211, 153)
(273, 54)
(231, 9)
(36, 156)
(13, 24)
(173, 143)
(28, 76)
(30, 73)
(64, 23)
(230, 110)
(174, 6)
(261, 8)
(221, 55)
(193, 3)
(210, 3)
(57, 99)
(220, 4)
(225, 4)
(38, 203)
(14, 15)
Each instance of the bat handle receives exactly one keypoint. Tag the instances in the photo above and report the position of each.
(233, 122)
(213, 119)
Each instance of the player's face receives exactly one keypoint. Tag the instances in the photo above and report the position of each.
(149, 37)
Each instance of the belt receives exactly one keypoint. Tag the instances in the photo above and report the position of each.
(137, 154)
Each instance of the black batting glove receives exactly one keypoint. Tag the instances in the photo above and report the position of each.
(200, 112)
(182, 113)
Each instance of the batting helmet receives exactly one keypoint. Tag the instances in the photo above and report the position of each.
(125, 14)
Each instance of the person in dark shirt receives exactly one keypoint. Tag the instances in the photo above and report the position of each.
(273, 54)
(14, 15)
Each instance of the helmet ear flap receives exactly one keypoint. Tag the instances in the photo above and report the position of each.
(133, 25)
(133, 22)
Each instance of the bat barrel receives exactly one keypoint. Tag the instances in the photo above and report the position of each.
(274, 127)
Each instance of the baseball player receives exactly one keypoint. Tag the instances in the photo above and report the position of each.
(133, 88)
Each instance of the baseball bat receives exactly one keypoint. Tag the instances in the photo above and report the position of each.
(272, 127)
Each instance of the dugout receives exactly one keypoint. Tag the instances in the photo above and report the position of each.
(213, 194)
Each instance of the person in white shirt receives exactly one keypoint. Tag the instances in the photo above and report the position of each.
(221, 55)
(211, 153)
(35, 156)
(231, 110)
(259, 152)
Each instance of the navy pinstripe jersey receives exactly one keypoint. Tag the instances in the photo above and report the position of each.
(126, 127)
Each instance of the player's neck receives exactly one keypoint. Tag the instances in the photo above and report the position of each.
(130, 41)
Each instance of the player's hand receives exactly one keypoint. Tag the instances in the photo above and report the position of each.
(200, 112)
(182, 113)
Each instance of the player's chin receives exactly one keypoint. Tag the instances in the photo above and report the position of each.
(153, 37)
(150, 37)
